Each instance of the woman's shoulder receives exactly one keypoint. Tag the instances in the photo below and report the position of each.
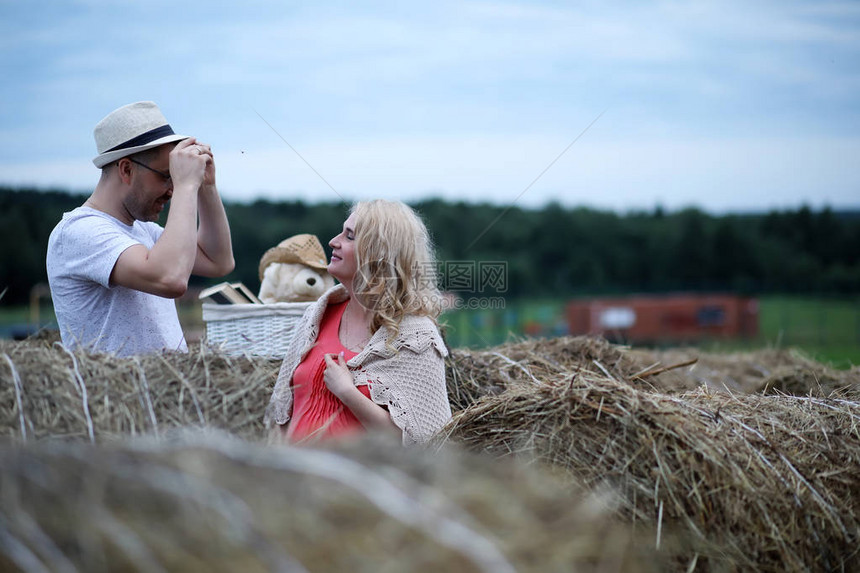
(418, 334)
(418, 322)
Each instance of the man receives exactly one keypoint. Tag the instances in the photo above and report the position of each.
(112, 270)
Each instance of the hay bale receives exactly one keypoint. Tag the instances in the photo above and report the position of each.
(476, 373)
(53, 393)
(44, 386)
(815, 380)
(213, 503)
(724, 480)
(766, 483)
(753, 372)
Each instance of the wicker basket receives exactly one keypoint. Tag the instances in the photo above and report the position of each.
(252, 329)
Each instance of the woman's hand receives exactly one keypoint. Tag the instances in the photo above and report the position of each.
(337, 377)
(339, 381)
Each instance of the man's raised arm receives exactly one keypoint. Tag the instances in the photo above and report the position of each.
(214, 247)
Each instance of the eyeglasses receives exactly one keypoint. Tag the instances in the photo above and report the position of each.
(165, 176)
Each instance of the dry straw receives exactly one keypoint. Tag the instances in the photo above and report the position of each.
(213, 503)
(704, 456)
(53, 393)
(750, 482)
(473, 374)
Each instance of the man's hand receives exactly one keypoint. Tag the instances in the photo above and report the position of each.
(189, 164)
(209, 175)
(214, 250)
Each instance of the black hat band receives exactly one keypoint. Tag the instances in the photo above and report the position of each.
(144, 138)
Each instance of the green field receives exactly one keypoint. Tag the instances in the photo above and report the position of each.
(826, 329)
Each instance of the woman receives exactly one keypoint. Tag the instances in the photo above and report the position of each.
(368, 354)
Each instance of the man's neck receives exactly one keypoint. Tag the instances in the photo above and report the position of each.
(105, 199)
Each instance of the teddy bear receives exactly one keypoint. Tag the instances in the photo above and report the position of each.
(294, 271)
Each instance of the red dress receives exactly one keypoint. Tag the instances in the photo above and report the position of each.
(317, 413)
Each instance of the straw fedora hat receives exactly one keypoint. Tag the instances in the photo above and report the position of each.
(304, 249)
(131, 129)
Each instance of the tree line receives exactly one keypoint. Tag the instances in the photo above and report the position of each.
(553, 251)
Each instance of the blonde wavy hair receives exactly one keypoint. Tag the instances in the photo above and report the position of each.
(395, 264)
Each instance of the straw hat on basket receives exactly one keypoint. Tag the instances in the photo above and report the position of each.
(304, 249)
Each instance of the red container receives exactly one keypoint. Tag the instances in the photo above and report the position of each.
(665, 318)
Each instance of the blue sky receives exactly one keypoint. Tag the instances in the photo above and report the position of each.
(727, 106)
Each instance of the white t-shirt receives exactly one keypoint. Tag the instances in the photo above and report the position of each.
(82, 251)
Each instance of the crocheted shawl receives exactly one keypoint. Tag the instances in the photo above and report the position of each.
(406, 375)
